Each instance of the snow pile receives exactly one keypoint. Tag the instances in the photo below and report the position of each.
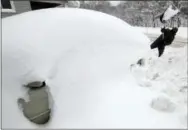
(167, 76)
(85, 58)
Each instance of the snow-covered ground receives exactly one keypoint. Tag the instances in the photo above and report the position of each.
(114, 3)
(182, 31)
(167, 76)
(85, 57)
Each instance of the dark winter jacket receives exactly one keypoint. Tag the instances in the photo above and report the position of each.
(165, 39)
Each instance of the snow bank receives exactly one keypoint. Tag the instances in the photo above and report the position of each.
(85, 58)
(167, 76)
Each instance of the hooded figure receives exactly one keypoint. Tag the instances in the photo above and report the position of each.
(165, 39)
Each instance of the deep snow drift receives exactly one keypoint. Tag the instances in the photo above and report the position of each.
(167, 76)
(85, 57)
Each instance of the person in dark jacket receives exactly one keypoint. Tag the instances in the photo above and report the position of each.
(165, 39)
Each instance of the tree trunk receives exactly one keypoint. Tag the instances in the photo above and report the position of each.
(153, 16)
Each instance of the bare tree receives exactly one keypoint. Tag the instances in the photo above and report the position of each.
(139, 13)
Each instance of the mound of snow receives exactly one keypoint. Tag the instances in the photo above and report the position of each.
(163, 104)
(167, 76)
(85, 58)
